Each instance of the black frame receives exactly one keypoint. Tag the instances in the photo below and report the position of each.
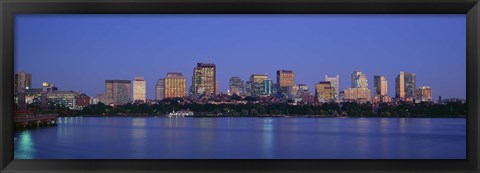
(9, 8)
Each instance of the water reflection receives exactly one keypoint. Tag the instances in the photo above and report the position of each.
(268, 138)
(25, 146)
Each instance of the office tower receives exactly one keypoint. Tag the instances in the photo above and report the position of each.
(359, 91)
(204, 79)
(236, 86)
(335, 82)
(175, 85)
(216, 87)
(405, 86)
(256, 81)
(267, 87)
(285, 78)
(324, 92)
(424, 94)
(379, 85)
(292, 91)
(248, 88)
(359, 80)
(139, 90)
(117, 91)
(22, 81)
(160, 89)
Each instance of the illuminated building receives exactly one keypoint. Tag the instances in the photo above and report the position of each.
(335, 82)
(359, 80)
(139, 90)
(380, 89)
(361, 95)
(424, 94)
(160, 89)
(256, 82)
(22, 81)
(175, 85)
(405, 86)
(248, 88)
(236, 86)
(267, 87)
(324, 92)
(285, 78)
(359, 91)
(117, 91)
(82, 101)
(204, 79)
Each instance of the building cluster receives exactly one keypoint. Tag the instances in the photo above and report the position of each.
(205, 84)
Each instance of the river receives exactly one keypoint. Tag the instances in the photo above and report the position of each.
(244, 138)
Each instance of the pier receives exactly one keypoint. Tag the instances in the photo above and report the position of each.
(24, 119)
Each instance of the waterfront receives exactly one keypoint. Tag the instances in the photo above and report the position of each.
(244, 138)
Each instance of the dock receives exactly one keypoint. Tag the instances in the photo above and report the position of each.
(26, 119)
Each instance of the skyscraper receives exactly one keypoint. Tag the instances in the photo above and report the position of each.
(405, 86)
(236, 86)
(257, 81)
(285, 78)
(424, 94)
(359, 91)
(379, 85)
(324, 92)
(267, 87)
(335, 82)
(175, 85)
(204, 79)
(118, 91)
(139, 90)
(160, 89)
(359, 80)
(22, 81)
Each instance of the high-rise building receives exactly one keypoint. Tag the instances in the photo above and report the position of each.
(117, 91)
(204, 79)
(160, 89)
(257, 81)
(359, 91)
(175, 85)
(335, 82)
(359, 80)
(424, 94)
(139, 90)
(285, 78)
(248, 88)
(236, 86)
(379, 85)
(405, 86)
(22, 81)
(324, 92)
(267, 87)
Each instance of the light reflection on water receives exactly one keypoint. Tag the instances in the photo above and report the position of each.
(245, 138)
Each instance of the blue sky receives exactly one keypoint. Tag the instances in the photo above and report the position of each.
(79, 52)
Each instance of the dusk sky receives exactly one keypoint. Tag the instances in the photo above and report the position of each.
(79, 52)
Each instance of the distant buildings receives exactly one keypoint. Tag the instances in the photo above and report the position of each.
(22, 80)
(139, 90)
(267, 87)
(424, 94)
(160, 89)
(237, 86)
(204, 80)
(175, 85)
(405, 86)
(324, 92)
(335, 83)
(117, 92)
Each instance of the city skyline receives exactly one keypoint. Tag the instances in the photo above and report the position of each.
(91, 80)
